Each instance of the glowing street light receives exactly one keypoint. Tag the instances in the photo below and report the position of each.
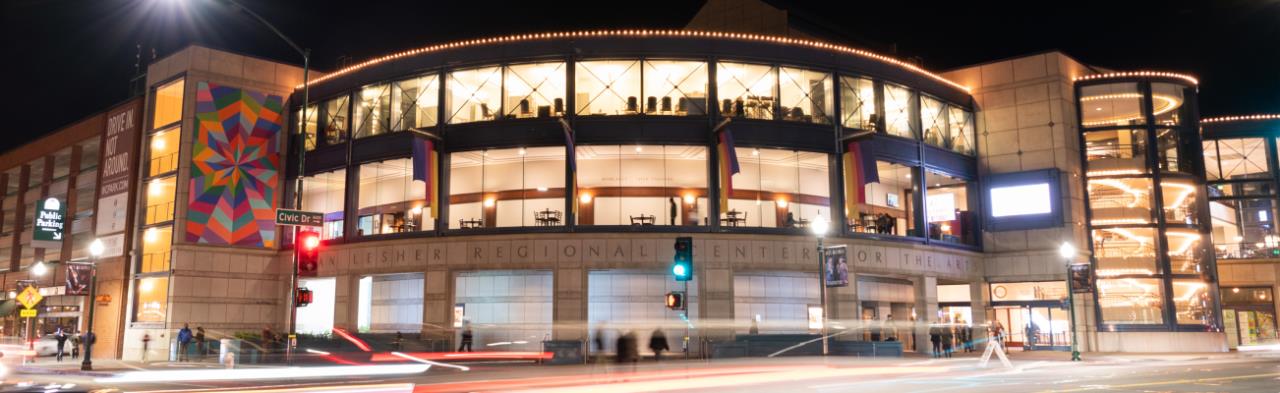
(1068, 253)
(39, 269)
(96, 248)
(819, 227)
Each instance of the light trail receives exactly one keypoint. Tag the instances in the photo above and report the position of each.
(391, 357)
(424, 361)
(263, 373)
(353, 339)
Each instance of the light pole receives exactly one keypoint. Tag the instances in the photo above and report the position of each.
(38, 270)
(819, 228)
(1068, 253)
(95, 250)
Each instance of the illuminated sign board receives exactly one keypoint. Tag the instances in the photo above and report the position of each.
(1021, 200)
(47, 229)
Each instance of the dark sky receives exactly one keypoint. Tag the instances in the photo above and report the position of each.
(66, 59)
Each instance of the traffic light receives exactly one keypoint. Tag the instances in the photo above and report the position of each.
(308, 249)
(675, 300)
(682, 267)
(304, 297)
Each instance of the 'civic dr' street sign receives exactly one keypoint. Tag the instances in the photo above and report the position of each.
(299, 217)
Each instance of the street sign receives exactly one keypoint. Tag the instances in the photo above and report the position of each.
(28, 313)
(299, 218)
(47, 229)
(30, 297)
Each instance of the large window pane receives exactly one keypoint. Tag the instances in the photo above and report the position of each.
(1167, 157)
(933, 117)
(335, 120)
(858, 103)
(535, 90)
(897, 111)
(805, 95)
(1120, 201)
(1116, 104)
(1185, 253)
(1167, 104)
(747, 90)
(642, 185)
(1244, 228)
(326, 193)
(507, 187)
(610, 88)
(162, 151)
(153, 299)
(1180, 196)
(1124, 251)
(681, 82)
(157, 244)
(962, 130)
(168, 104)
(415, 102)
(1239, 159)
(160, 194)
(1192, 302)
(1116, 152)
(390, 200)
(890, 202)
(373, 110)
(308, 126)
(770, 192)
(948, 211)
(1136, 301)
(474, 94)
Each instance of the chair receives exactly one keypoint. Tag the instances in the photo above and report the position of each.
(635, 220)
(651, 104)
(558, 107)
(666, 104)
(726, 107)
(633, 105)
(524, 107)
(682, 106)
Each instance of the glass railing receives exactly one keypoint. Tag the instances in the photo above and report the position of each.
(1246, 251)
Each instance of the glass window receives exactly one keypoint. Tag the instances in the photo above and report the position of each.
(1116, 104)
(1120, 201)
(962, 130)
(163, 152)
(335, 120)
(326, 193)
(157, 244)
(897, 111)
(890, 202)
(747, 90)
(805, 95)
(684, 82)
(1237, 159)
(1116, 152)
(1192, 302)
(507, 187)
(1167, 104)
(948, 210)
(858, 103)
(308, 126)
(535, 90)
(1124, 251)
(1180, 197)
(1136, 301)
(90, 150)
(168, 104)
(415, 102)
(160, 194)
(390, 200)
(153, 299)
(1185, 253)
(373, 110)
(933, 116)
(35, 179)
(642, 185)
(779, 189)
(1244, 228)
(611, 88)
(474, 94)
(1167, 151)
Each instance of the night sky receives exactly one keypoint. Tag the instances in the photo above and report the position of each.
(66, 59)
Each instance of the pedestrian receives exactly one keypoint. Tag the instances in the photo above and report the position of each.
(75, 346)
(200, 344)
(658, 343)
(755, 326)
(467, 337)
(399, 341)
(967, 334)
(88, 339)
(268, 338)
(948, 339)
(599, 340)
(61, 336)
(935, 337)
(673, 211)
(184, 342)
(146, 343)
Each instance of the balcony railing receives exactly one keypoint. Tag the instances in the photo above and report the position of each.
(1246, 251)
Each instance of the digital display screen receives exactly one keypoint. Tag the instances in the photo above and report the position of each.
(1021, 200)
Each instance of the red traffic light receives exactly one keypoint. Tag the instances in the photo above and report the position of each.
(304, 297)
(308, 253)
(310, 240)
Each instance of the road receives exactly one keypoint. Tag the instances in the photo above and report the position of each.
(1258, 372)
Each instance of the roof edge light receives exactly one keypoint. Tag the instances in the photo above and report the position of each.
(1227, 119)
(640, 33)
(1139, 74)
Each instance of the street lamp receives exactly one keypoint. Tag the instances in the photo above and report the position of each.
(95, 250)
(819, 228)
(1068, 253)
(39, 269)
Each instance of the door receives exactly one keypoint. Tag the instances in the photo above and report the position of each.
(1048, 327)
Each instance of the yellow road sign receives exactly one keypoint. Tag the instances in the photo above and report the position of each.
(28, 313)
(30, 297)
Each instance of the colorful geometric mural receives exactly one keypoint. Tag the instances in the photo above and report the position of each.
(234, 167)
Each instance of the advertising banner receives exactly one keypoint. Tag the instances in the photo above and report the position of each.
(78, 277)
(119, 156)
(836, 266)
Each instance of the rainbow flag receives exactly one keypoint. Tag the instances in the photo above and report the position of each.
(426, 166)
(860, 169)
(728, 166)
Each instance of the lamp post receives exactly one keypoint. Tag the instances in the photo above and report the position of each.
(95, 250)
(1068, 253)
(38, 270)
(819, 228)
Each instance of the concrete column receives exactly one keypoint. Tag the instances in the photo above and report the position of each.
(842, 303)
(437, 306)
(569, 302)
(715, 303)
(926, 288)
(979, 300)
(344, 302)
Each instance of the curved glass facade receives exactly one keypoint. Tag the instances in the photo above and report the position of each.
(1145, 206)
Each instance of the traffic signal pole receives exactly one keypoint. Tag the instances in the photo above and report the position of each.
(293, 293)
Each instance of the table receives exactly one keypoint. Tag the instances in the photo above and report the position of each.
(472, 223)
(547, 217)
(802, 223)
(643, 219)
(734, 218)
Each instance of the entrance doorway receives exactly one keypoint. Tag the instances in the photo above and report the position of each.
(1035, 326)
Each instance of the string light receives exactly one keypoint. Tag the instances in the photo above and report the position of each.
(1223, 119)
(1139, 74)
(640, 33)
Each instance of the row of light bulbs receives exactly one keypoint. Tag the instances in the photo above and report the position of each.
(1223, 119)
(1139, 74)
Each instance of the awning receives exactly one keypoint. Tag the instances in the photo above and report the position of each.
(8, 307)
